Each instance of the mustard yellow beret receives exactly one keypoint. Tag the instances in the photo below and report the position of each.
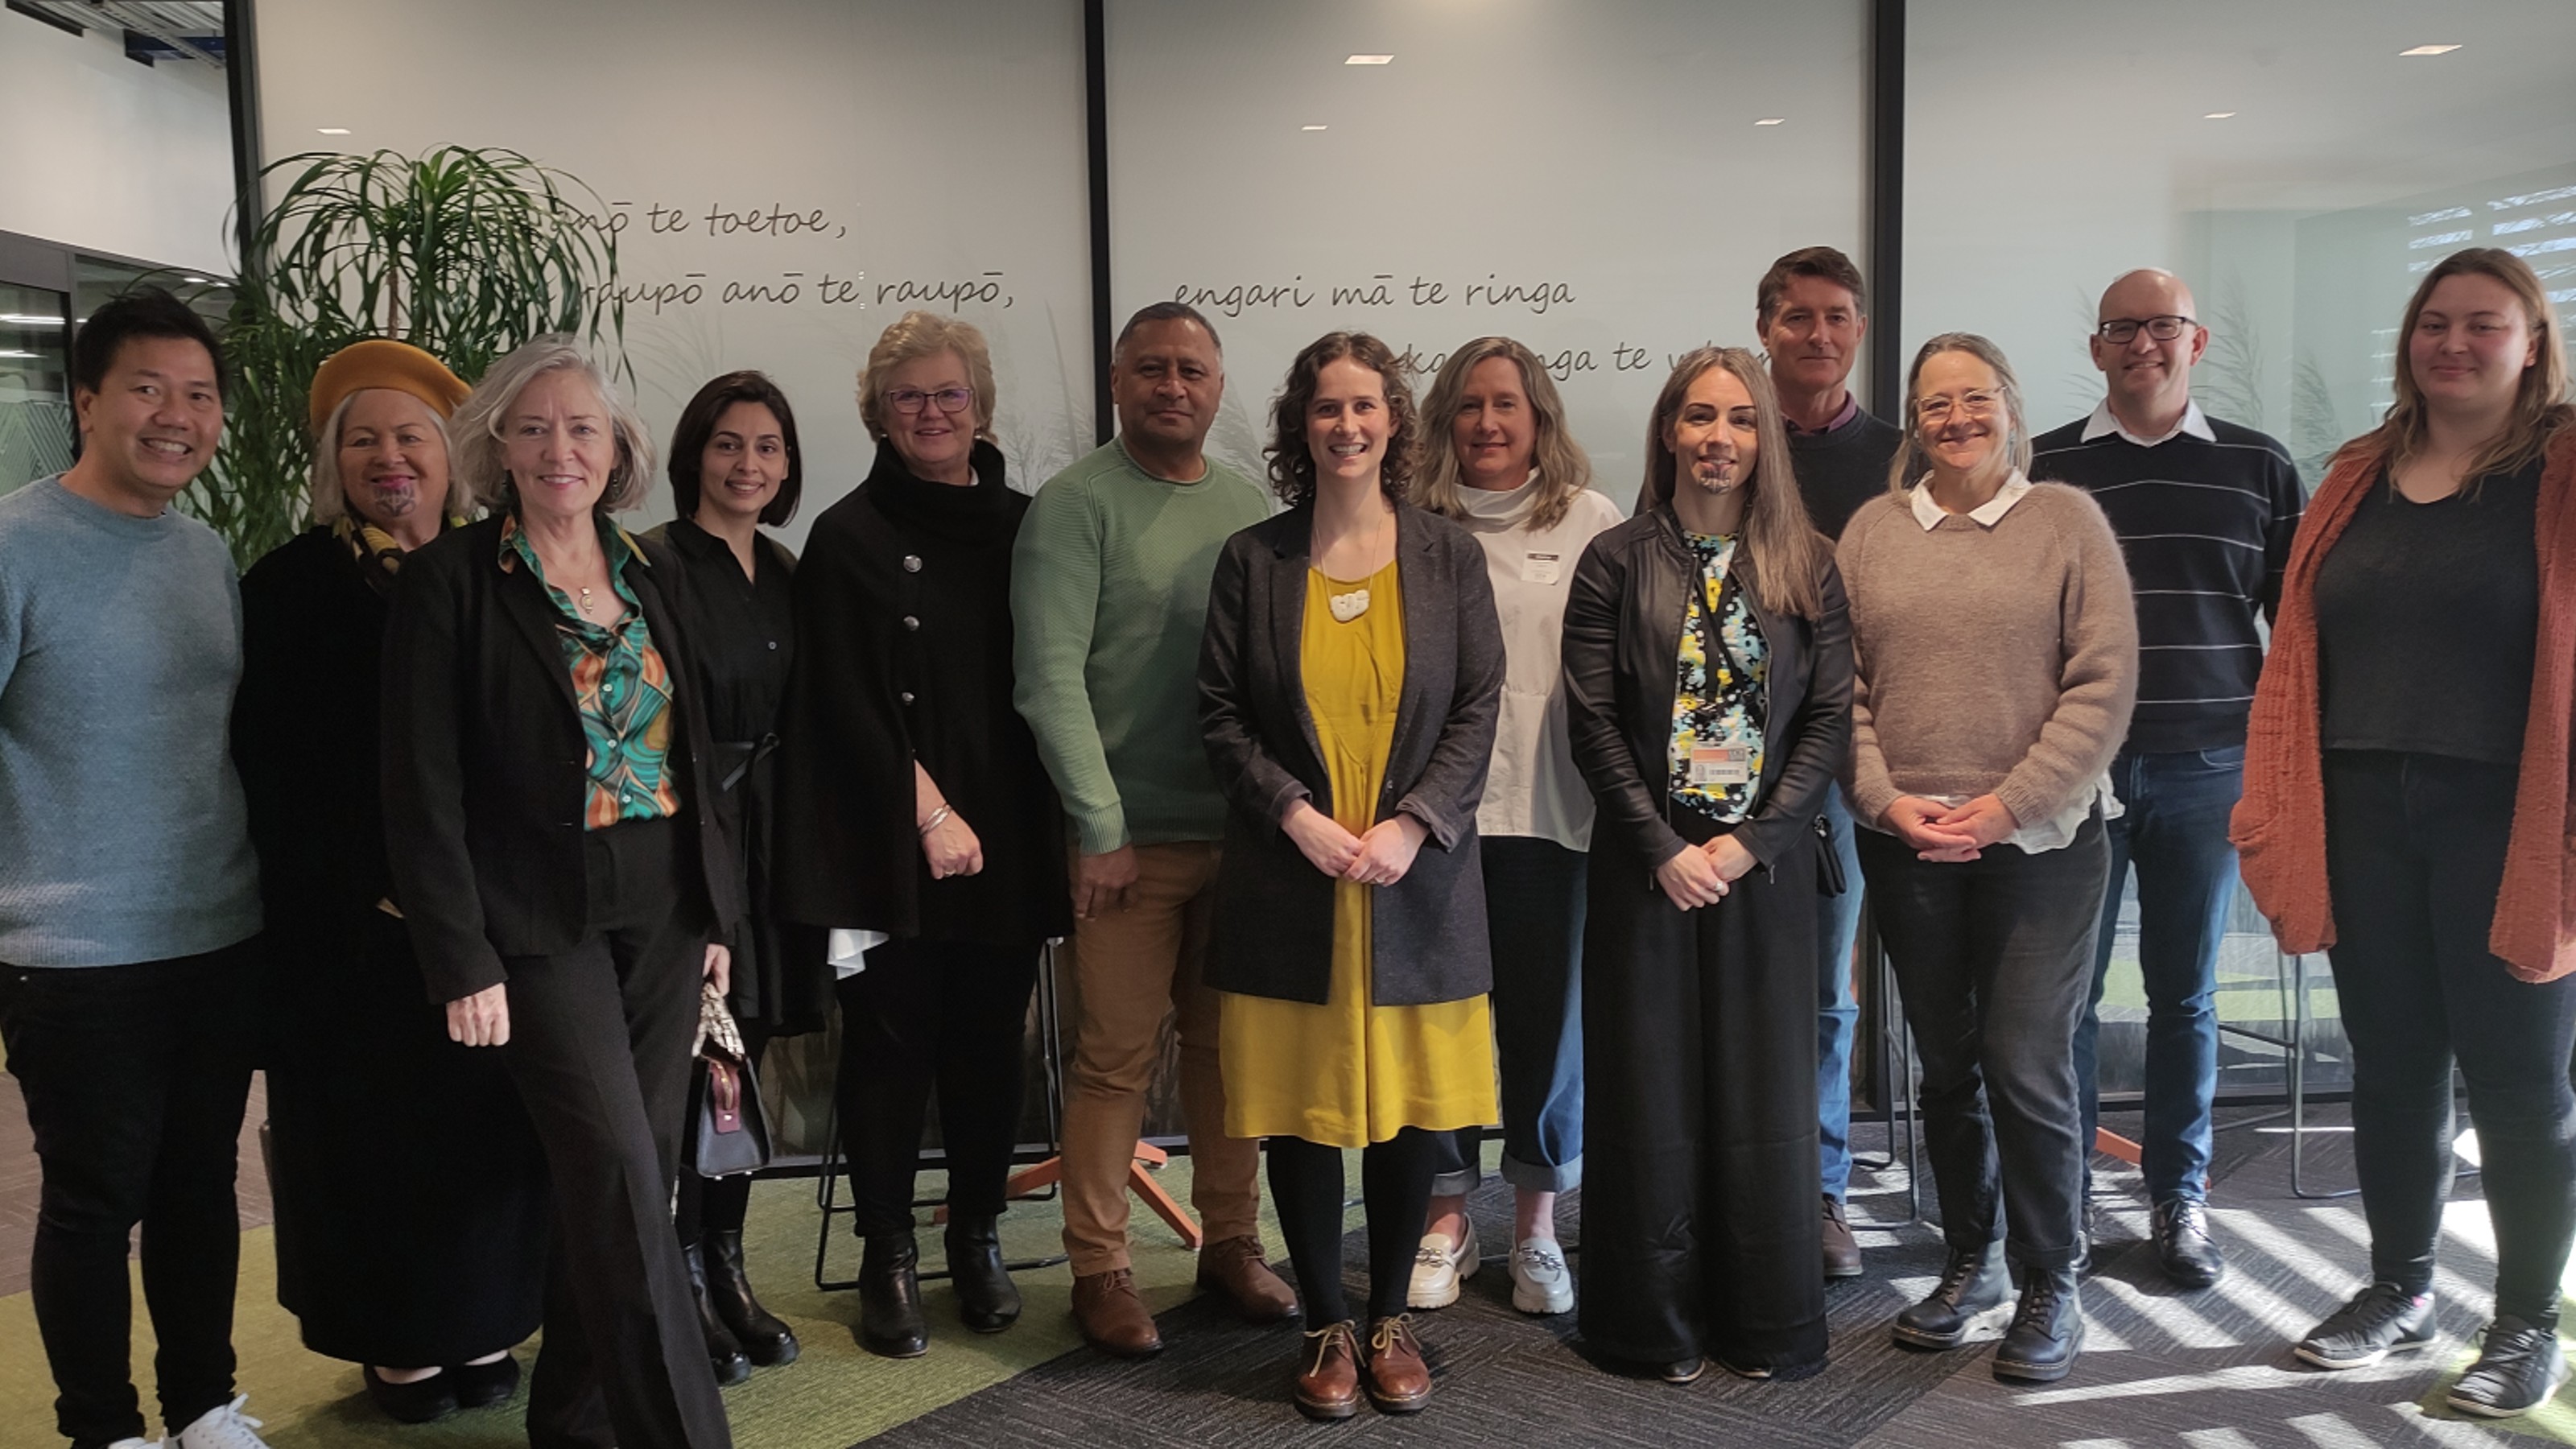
(381, 362)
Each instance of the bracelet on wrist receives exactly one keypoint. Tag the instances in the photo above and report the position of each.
(936, 816)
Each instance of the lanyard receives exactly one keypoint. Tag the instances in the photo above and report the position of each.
(1712, 625)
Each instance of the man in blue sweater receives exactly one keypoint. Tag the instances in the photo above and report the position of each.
(129, 899)
(2204, 510)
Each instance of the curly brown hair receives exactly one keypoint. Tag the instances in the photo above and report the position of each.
(1292, 464)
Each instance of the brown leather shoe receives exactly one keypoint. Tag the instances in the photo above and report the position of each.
(1112, 1318)
(1842, 1250)
(1328, 1372)
(1234, 1268)
(1398, 1378)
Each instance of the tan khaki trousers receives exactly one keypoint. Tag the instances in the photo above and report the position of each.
(1134, 968)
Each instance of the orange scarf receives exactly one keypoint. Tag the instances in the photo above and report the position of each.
(2279, 827)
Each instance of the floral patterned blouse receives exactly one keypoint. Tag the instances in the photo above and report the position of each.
(1718, 706)
(622, 684)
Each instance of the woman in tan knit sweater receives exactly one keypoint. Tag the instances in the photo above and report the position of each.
(2406, 808)
(1996, 652)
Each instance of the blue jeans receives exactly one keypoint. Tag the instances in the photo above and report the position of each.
(1837, 1005)
(1534, 908)
(2175, 833)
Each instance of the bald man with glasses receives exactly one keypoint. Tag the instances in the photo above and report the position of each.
(2204, 510)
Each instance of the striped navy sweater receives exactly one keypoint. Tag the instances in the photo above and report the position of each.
(2204, 519)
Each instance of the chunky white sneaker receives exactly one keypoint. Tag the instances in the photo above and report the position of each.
(1540, 1283)
(224, 1428)
(1439, 1265)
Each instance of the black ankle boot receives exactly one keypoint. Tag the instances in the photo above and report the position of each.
(890, 1323)
(722, 1351)
(986, 1297)
(764, 1339)
(2047, 1333)
(1972, 1283)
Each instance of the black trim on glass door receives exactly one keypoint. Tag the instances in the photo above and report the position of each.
(241, 86)
(1095, 64)
(1887, 207)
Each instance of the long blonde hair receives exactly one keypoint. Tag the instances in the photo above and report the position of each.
(2540, 406)
(1563, 469)
(1786, 551)
(1912, 461)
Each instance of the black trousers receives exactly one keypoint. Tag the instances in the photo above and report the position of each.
(1700, 1228)
(2415, 848)
(1306, 1187)
(134, 1078)
(948, 1013)
(600, 1038)
(1994, 958)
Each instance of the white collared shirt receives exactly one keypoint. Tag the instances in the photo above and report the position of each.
(1985, 515)
(2105, 422)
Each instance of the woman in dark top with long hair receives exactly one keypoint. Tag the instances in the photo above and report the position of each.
(1708, 691)
(920, 812)
(2406, 808)
(735, 467)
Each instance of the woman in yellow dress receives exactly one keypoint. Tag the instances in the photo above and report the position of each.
(1349, 683)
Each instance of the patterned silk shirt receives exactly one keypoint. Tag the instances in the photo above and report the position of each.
(622, 684)
(1718, 705)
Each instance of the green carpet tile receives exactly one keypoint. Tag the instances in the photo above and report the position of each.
(833, 1396)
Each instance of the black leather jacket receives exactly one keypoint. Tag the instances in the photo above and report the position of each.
(1623, 632)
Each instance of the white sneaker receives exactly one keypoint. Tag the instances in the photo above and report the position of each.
(224, 1428)
(1540, 1283)
(135, 1444)
(1439, 1265)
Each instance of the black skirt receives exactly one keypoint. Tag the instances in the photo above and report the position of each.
(412, 1210)
(1700, 1227)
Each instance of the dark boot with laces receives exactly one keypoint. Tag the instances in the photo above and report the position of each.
(1973, 1282)
(2519, 1367)
(2184, 1248)
(2047, 1332)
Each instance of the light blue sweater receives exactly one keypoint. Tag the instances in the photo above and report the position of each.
(122, 834)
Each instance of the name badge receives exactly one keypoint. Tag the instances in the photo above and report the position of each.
(1721, 765)
(1541, 568)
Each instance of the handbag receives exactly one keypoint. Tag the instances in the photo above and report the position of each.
(728, 1131)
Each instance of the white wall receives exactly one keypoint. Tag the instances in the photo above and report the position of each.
(111, 154)
(1608, 148)
(942, 144)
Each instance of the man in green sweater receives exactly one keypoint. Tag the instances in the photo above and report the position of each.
(1109, 588)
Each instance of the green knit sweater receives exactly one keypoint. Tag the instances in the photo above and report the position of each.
(1109, 589)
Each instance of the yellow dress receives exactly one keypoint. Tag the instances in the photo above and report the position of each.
(1347, 1073)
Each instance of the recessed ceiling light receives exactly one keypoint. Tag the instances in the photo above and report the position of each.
(194, 281)
(2430, 50)
(1370, 60)
(16, 354)
(2218, 115)
(1772, 121)
(27, 319)
(334, 130)
(1310, 128)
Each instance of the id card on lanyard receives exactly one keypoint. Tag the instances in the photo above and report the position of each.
(1718, 764)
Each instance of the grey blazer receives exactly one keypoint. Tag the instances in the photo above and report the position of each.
(1274, 910)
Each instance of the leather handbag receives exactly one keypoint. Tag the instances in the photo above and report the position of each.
(728, 1131)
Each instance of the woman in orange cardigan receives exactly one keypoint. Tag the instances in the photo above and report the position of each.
(2406, 805)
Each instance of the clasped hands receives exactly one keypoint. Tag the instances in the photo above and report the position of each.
(1378, 856)
(1949, 834)
(1701, 875)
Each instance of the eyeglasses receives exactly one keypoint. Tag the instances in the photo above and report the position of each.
(909, 400)
(1936, 410)
(2164, 329)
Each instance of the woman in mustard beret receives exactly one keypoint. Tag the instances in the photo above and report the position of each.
(411, 1197)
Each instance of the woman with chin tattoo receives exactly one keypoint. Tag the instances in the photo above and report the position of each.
(1708, 678)
(411, 1199)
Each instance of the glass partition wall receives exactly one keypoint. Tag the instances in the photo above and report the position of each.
(2300, 165)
